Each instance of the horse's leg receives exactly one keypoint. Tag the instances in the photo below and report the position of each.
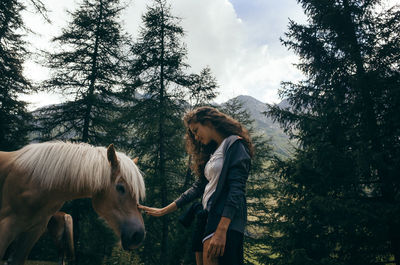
(69, 251)
(60, 228)
(25, 242)
(61, 259)
(10, 251)
(61, 255)
(8, 232)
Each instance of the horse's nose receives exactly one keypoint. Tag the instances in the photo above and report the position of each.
(132, 234)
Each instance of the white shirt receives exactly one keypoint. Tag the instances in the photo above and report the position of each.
(212, 171)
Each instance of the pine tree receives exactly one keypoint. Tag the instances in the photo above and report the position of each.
(338, 197)
(88, 68)
(202, 88)
(158, 73)
(14, 117)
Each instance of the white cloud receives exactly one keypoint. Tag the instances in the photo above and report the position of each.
(215, 37)
(244, 53)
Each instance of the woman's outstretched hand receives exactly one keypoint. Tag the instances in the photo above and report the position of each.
(152, 211)
(158, 212)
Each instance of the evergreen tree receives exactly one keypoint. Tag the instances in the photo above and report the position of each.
(14, 116)
(157, 71)
(202, 88)
(88, 68)
(337, 199)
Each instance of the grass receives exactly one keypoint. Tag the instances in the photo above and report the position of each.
(38, 262)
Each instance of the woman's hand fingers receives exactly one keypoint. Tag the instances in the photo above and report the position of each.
(210, 252)
(216, 248)
(222, 250)
(214, 251)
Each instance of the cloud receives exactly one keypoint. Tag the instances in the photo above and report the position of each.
(239, 41)
(214, 36)
(242, 48)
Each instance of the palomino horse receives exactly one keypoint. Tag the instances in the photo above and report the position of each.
(36, 180)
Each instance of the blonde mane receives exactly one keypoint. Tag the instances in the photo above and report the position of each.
(76, 167)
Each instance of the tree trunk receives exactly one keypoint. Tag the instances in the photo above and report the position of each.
(86, 124)
(90, 95)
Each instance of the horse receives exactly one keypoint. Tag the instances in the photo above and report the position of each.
(36, 180)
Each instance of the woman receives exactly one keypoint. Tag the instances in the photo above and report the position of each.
(221, 150)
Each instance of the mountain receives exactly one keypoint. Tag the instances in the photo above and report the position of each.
(265, 125)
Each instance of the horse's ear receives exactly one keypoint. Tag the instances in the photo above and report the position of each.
(112, 156)
(135, 160)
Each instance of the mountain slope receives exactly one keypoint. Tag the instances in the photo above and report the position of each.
(265, 126)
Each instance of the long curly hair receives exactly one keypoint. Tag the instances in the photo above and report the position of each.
(223, 124)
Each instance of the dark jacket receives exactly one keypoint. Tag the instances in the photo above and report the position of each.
(229, 198)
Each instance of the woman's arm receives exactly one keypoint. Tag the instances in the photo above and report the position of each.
(158, 212)
(192, 193)
(239, 167)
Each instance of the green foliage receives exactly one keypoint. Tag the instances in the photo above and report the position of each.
(44, 249)
(96, 240)
(39, 262)
(14, 117)
(337, 199)
(121, 257)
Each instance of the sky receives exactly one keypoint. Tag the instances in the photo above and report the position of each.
(237, 39)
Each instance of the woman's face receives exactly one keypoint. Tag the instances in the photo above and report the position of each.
(202, 133)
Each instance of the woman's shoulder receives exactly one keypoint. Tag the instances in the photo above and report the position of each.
(235, 144)
(230, 140)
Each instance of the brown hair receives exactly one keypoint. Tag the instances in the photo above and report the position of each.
(223, 124)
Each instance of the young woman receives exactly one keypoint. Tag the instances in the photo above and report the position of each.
(221, 150)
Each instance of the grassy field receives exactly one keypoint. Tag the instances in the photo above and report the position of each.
(38, 262)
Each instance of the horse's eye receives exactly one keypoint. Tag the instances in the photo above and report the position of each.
(120, 188)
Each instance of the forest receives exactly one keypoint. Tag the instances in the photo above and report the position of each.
(334, 200)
